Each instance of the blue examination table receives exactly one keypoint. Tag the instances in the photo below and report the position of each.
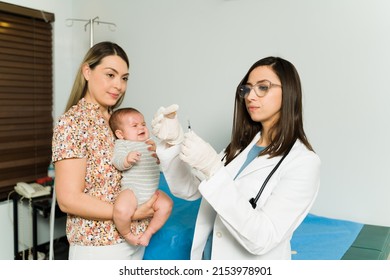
(317, 238)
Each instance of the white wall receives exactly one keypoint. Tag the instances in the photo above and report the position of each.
(194, 53)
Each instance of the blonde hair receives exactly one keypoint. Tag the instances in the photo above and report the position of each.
(93, 58)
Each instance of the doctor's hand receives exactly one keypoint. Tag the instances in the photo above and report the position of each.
(199, 154)
(166, 126)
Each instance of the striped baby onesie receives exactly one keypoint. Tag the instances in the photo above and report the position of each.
(143, 177)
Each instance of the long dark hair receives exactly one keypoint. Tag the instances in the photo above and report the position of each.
(286, 130)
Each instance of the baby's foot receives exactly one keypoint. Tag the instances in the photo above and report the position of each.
(132, 239)
(144, 239)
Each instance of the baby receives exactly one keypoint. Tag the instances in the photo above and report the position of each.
(140, 177)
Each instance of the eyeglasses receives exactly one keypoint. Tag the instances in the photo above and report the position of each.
(261, 88)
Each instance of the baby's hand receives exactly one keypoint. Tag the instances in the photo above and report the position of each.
(132, 158)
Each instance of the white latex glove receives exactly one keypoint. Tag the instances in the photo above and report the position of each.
(166, 126)
(199, 154)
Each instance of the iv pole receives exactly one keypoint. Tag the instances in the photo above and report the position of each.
(91, 23)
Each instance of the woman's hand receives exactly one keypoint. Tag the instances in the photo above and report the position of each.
(146, 210)
(152, 148)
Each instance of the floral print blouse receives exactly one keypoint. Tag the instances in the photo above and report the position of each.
(82, 132)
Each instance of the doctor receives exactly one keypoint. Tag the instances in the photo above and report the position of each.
(236, 219)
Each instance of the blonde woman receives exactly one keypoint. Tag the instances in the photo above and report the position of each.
(87, 183)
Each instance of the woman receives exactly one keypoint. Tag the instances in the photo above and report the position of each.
(232, 222)
(87, 183)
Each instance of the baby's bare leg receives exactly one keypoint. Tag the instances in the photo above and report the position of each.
(124, 208)
(163, 208)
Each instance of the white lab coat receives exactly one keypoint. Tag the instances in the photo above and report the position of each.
(239, 231)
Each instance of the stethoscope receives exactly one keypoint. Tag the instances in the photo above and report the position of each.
(253, 200)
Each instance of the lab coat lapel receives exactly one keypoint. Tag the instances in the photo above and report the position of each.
(256, 164)
(234, 166)
(260, 163)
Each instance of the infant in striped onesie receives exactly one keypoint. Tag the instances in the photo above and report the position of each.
(140, 178)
